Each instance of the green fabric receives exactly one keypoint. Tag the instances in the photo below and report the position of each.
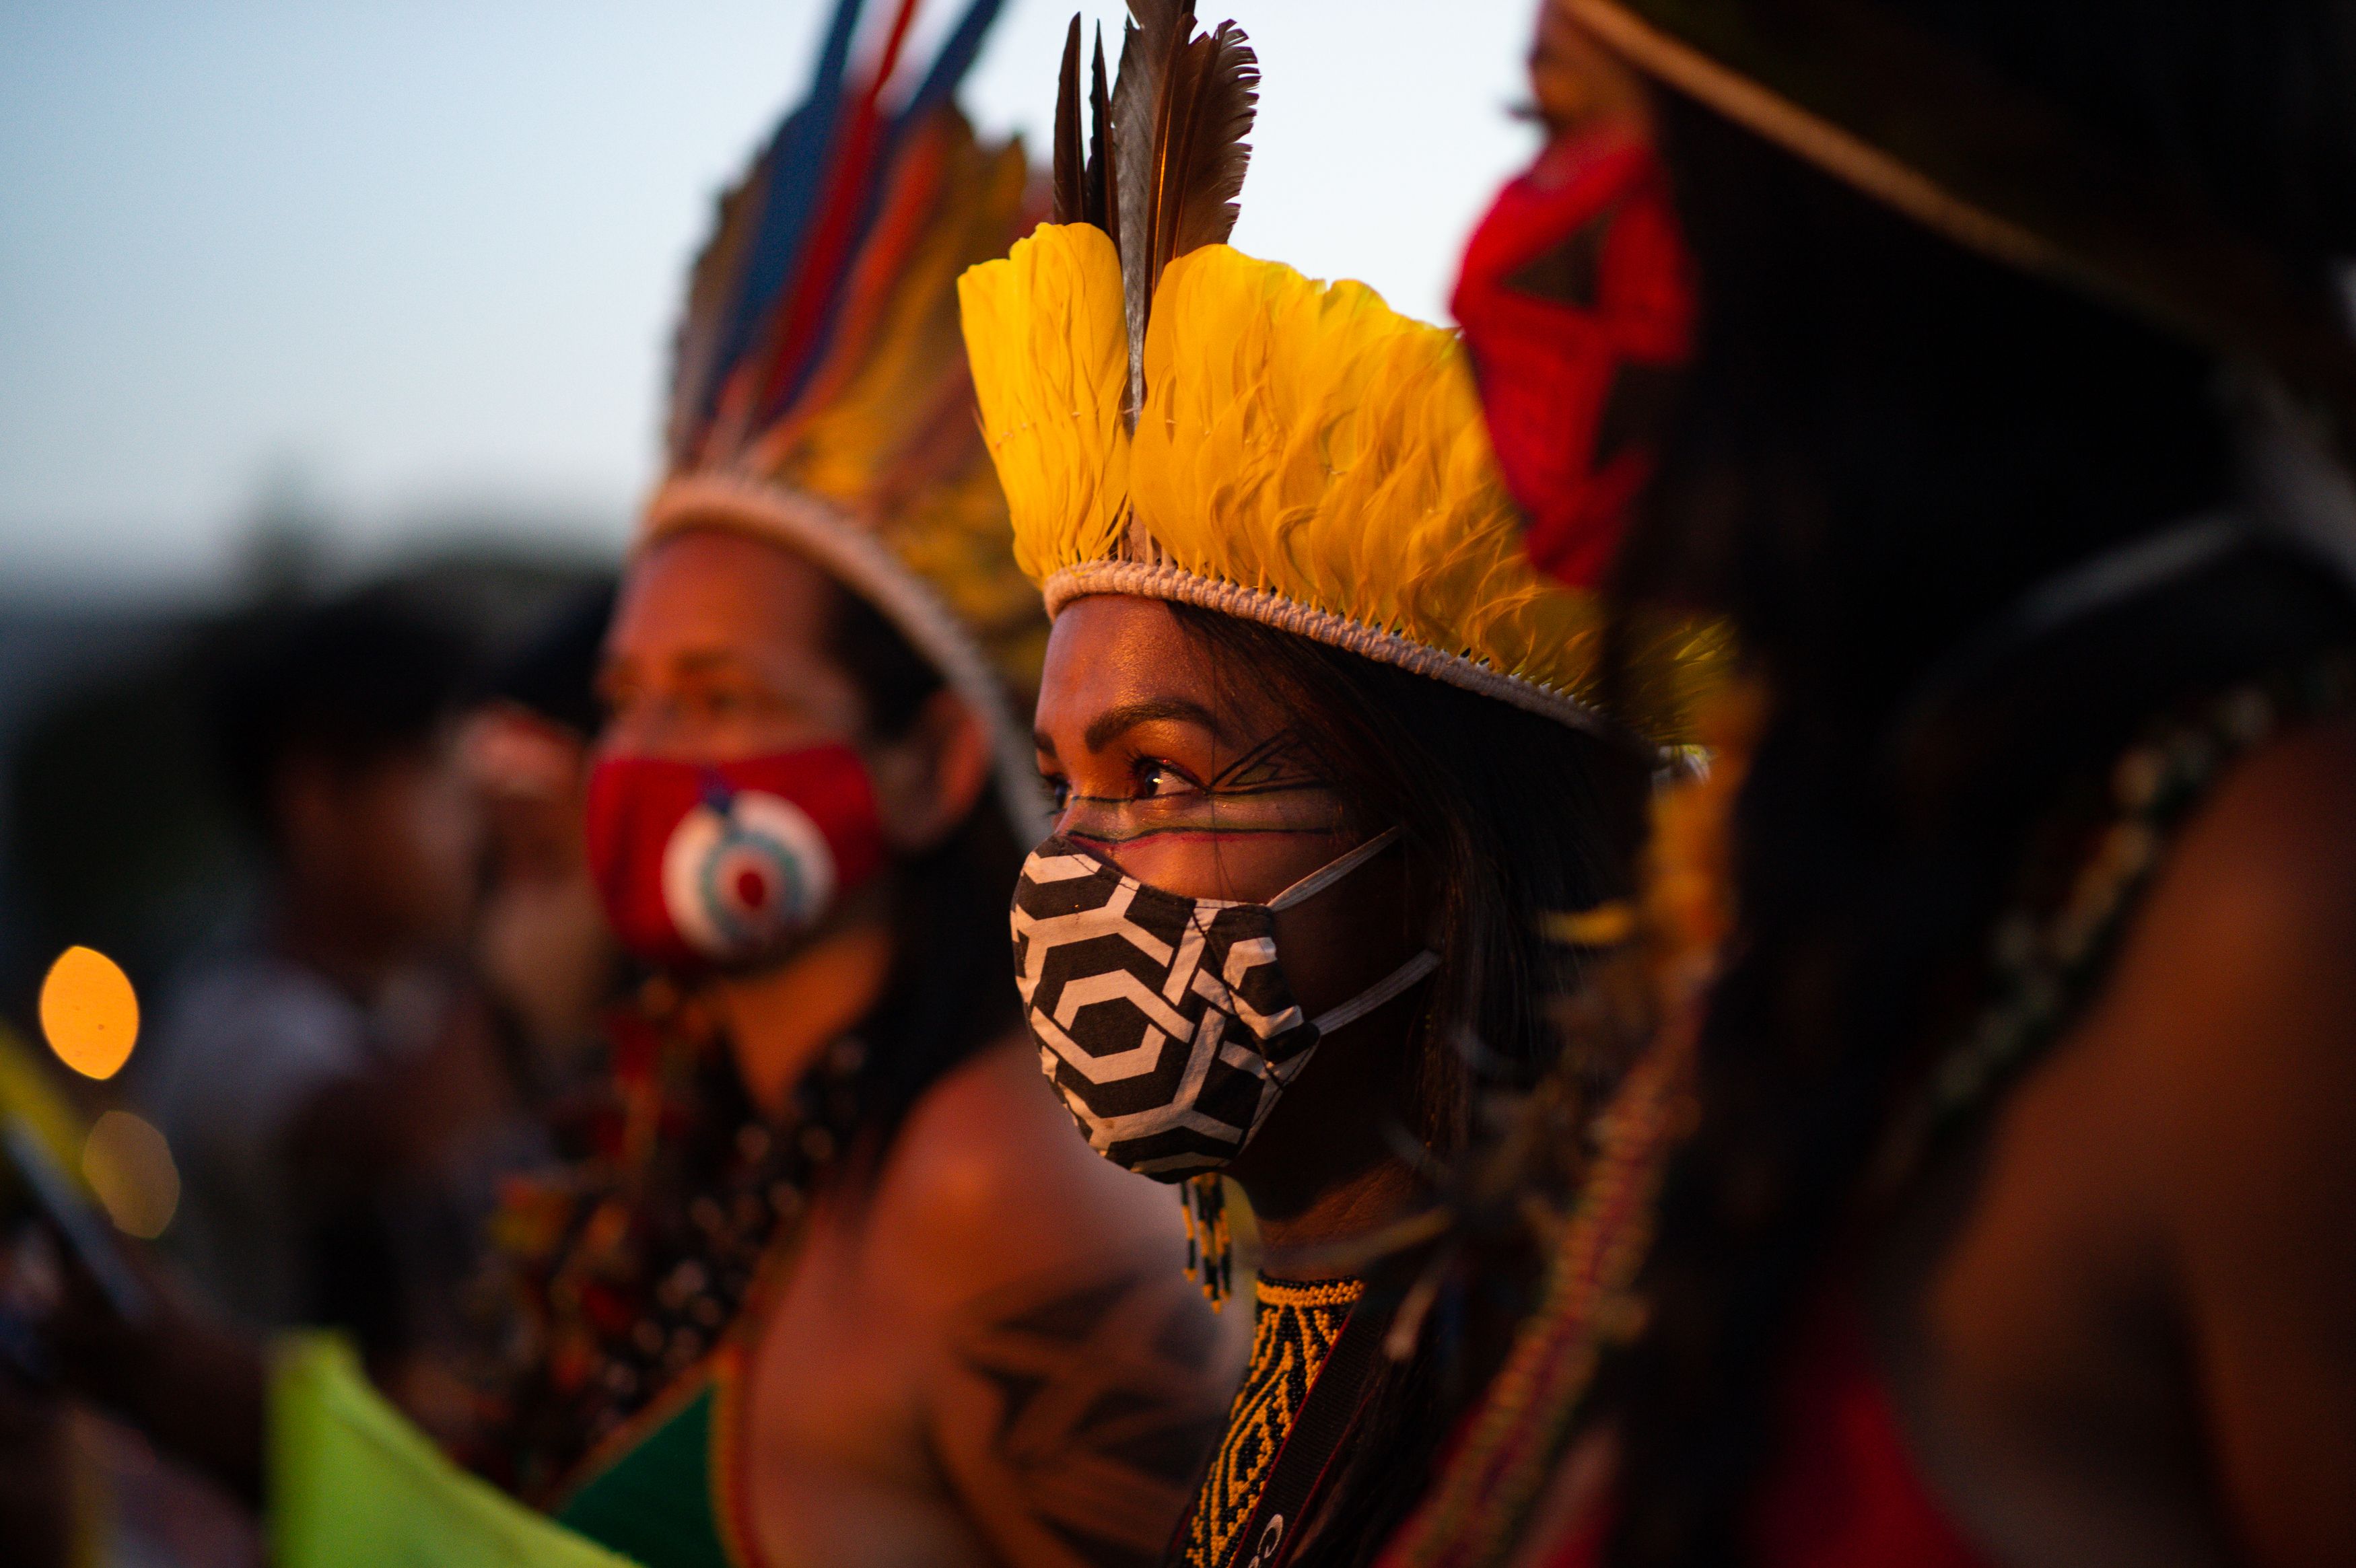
(354, 1485)
(655, 1500)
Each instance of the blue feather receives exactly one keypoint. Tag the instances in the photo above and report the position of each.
(796, 162)
(956, 58)
(949, 67)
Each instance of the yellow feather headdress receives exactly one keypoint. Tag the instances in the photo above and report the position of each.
(820, 397)
(1172, 418)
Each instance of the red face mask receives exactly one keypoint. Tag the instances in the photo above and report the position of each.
(1577, 302)
(723, 864)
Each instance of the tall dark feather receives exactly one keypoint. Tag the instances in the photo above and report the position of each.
(1071, 164)
(1208, 100)
(1103, 194)
(1155, 30)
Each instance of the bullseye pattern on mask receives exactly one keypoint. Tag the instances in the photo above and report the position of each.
(727, 863)
(744, 869)
(1164, 1021)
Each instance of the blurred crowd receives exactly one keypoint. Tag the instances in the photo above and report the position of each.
(398, 982)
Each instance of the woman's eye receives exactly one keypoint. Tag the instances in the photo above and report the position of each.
(1157, 780)
(1059, 792)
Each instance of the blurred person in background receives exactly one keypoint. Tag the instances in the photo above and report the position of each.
(328, 1087)
(2004, 1180)
(833, 1283)
(126, 1495)
(543, 949)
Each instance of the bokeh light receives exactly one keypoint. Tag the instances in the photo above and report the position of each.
(129, 1165)
(89, 1012)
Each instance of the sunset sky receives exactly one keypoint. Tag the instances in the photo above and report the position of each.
(409, 264)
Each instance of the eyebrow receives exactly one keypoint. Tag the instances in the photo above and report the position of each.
(1109, 725)
(700, 661)
(695, 662)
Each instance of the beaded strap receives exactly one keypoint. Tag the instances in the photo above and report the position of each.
(1588, 1304)
(2044, 963)
(1210, 1246)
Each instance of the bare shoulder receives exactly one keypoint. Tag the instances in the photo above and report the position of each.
(989, 1182)
(2234, 1002)
(2256, 909)
(2139, 1327)
(2280, 836)
(1072, 1377)
(2234, 1018)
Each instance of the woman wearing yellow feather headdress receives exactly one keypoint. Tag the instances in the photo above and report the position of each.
(1325, 749)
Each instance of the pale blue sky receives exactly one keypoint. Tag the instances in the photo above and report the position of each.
(426, 254)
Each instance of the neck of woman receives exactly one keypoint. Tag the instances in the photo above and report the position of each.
(780, 1019)
(1325, 1169)
(1301, 1232)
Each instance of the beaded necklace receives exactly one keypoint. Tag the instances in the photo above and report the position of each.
(620, 1272)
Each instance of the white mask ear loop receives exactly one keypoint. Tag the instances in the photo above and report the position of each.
(1375, 995)
(1382, 990)
(1334, 871)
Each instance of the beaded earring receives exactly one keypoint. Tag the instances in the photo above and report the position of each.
(1210, 1250)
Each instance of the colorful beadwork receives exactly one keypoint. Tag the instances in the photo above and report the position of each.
(1292, 1337)
(620, 1271)
(1210, 1249)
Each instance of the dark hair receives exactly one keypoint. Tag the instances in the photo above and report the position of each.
(1884, 443)
(350, 683)
(951, 987)
(552, 672)
(1506, 816)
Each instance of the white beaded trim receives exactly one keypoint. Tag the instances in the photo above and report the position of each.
(1152, 579)
(838, 542)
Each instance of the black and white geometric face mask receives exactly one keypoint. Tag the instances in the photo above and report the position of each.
(1164, 1021)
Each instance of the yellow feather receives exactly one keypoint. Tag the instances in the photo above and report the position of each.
(1298, 437)
(1305, 439)
(1045, 336)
